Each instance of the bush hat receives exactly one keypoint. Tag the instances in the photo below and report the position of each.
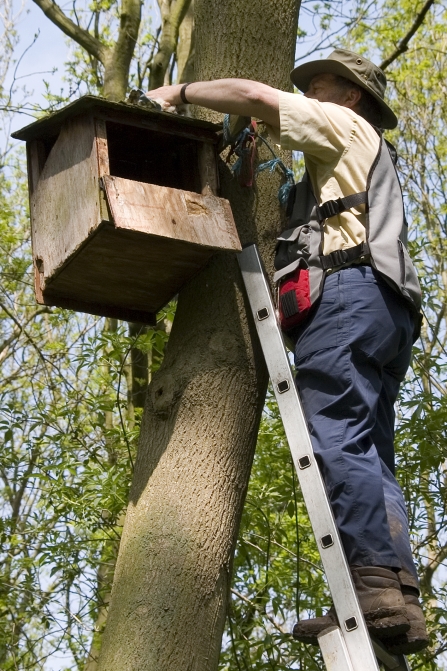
(354, 67)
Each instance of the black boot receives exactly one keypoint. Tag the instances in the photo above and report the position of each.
(381, 600)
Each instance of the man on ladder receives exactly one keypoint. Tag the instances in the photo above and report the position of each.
(349, 298)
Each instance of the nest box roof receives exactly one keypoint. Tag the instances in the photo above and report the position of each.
(51, 123)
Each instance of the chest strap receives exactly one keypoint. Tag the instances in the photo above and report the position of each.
(342, 256)
(332, 207)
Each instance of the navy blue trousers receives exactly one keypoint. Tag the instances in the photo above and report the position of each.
(351, 356)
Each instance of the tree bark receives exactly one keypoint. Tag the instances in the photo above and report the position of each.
(204, 404)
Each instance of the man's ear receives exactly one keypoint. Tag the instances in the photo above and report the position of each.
(352, 97)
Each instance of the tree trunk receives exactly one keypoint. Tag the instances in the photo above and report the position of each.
(186, 47)
(204, 404)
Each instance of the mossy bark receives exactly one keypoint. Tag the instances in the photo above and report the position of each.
(204, 404)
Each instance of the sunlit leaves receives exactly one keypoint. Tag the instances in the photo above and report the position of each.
(67, 442)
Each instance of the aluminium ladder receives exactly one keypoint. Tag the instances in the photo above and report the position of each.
(349, 646)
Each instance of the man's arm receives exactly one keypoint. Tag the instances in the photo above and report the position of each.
(230, 96)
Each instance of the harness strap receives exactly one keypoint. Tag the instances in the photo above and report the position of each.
(342, 256)
(332, 207)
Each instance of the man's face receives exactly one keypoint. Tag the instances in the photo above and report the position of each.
(326, 89)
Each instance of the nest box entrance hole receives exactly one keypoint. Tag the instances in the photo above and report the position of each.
(154, 157)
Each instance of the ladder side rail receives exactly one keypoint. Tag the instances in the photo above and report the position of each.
(333, 650)
(352, 624)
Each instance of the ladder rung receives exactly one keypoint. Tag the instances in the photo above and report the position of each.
(392, 662)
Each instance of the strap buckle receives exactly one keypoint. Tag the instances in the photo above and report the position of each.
(339, 257)
(330, 208)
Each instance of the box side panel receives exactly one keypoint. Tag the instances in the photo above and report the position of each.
(101, 309)
(102, 147)
(35, 154)
(172, 213)
(65, 199)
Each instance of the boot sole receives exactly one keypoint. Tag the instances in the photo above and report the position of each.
(387, 623)
(308, 640)
(404, 646)
(382, 623)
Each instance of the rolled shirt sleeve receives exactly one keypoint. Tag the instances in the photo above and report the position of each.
(321, 130)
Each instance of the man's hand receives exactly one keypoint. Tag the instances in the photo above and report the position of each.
(230, 96)
(166, 96)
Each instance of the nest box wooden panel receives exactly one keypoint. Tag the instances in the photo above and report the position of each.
(123, 206)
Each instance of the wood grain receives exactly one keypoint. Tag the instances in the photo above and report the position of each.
(100, 309)
(65, 201)
(36, 161)
(172, 213)
(209, 177)
(114, 246)
(102, 148)
(35, 153)
(126, 270)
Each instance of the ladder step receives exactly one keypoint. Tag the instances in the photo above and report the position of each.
(389, 661)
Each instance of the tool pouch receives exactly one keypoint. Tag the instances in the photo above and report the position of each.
(299, 276)
(292, 254)
(294, 298)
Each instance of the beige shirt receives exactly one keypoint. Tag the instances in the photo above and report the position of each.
(339, 148)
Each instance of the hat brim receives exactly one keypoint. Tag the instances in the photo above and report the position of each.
(303, 75)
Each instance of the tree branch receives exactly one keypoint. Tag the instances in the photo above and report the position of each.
(403, 44)
(173, 13)
(118, 60)
(253, 605)
(53, 12)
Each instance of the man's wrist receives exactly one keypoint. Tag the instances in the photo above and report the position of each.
(183, 97)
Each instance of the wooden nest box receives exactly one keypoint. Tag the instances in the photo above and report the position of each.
(123, 206)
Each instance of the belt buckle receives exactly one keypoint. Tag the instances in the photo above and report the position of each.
(340, 257)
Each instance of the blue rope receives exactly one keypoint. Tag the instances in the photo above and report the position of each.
(284, 189)
(284, 192)
(240, 151)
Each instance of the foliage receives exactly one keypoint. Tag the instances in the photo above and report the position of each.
(69, 434)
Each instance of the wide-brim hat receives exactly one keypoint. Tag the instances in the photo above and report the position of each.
(354, 67)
